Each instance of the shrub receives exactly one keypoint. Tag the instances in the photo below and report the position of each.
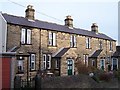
(107, 76)
(81, 68)
(117, 74)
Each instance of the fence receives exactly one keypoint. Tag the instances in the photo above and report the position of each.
(23, 84)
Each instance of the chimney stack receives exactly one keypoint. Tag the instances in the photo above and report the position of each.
(69, 21)
(94, 27)
(30, 12)
(118, 48)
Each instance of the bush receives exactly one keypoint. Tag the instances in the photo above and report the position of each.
(81, 68)
(107, 76)
(117, 74)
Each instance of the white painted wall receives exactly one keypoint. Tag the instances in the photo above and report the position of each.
(119, 23)
(3, 33)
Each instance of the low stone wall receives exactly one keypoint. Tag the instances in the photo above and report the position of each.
(79, 81)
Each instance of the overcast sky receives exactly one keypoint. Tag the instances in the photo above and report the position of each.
(83, 12)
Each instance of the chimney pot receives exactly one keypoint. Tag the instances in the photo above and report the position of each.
(94, 27)
(30, 12)
(69, 21)
(118, 48)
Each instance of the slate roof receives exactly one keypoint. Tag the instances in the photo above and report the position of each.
(96, 54)
(52, 26)
(61, 53)
(117, 52)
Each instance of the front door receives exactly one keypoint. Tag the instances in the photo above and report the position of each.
(70, 67)
(102, 64)
(114, 64)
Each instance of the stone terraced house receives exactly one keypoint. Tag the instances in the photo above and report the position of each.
(54, 48)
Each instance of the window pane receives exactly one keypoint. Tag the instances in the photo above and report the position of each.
(75, 41)
(23, 36)
(54, 39)
(57, 63)
(50, 38)
(44, 61)
(86, 42)
(32, 61)
(28, 36)
(110, 45)
(49, 62)
(20, 65)
(33, 57)
(100, 44)
(71, 41)
(32, 65)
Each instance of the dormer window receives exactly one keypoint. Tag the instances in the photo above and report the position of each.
(25, 36)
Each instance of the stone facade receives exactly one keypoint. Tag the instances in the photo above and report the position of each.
(40, 46)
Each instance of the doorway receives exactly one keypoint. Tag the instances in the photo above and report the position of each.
(70, 65)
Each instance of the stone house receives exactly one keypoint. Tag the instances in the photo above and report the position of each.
(116, 59)
(53, 48)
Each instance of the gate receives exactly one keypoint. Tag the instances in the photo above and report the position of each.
(34, 83)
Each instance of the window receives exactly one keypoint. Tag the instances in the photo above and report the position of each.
(46, 61)
(52, 39)
(100, 44)
(73, 41)
(86, 60)
(93, 62)
(108, 60)
(114, 64)
(87, 43)
(56, 63)
(25, 36)
(32, 61)
(49, 62)
(102, 64)
(111, 47)
(20, 65)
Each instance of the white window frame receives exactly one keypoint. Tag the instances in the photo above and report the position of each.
(73, 41)
(52, 38)
(100, 44)
(88, 42)
(112, 62)
(111, 45)
(44, 61)
(23, 36)
(49, 61)
(20, 64)
(86, 56)
(26, 36)
(32, 61)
